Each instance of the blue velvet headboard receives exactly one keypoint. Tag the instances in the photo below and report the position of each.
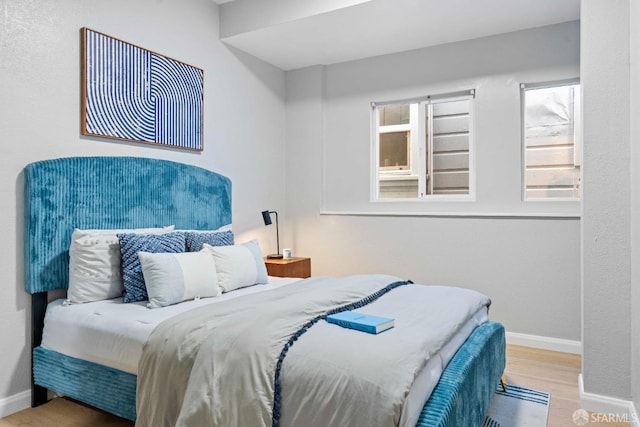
(111, 192)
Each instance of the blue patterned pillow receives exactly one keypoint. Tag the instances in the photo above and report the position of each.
(195, 239)
(130, 244)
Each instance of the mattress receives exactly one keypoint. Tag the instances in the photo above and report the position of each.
(112, 334)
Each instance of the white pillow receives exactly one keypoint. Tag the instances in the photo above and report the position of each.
(171, 278)
(238, 266)
(94, 263)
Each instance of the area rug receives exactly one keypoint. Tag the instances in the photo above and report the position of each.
(518, 407)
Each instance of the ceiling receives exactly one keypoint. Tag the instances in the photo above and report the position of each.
(379, 27)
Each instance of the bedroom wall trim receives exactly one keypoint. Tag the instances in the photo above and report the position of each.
(489, 215)
(607, 405)
(17, 402)
(544, 343)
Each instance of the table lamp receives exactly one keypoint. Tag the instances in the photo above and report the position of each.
(266, 216)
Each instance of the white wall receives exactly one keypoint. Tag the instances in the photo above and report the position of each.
(606, 222)
(530, 267)
(493, 66)
(244, 124)
(634, 36)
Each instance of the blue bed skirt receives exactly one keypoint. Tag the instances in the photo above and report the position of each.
(106, 388)
(467, 385)
(461, 397)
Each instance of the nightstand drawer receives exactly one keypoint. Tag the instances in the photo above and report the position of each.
(294, 267)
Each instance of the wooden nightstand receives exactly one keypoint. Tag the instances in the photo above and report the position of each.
(294, 267)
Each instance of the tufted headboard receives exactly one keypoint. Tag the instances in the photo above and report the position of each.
(110, 192)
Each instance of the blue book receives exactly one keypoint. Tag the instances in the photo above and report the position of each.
(361, 322)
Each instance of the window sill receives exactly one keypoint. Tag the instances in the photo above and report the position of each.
(481, 215)
(398, 177)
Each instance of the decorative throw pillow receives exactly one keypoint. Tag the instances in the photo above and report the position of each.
(130, 245)
(238, 266)
(94, 263)
(171, 278)
(195, 239)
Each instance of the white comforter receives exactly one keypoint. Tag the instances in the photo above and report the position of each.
(217, 368)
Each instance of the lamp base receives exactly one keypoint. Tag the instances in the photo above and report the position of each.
(274, 256)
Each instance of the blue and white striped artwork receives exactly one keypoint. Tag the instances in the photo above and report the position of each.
(130, 93)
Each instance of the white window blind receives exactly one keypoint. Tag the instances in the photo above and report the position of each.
(551, 140)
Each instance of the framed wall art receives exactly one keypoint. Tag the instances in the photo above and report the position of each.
(132, 94)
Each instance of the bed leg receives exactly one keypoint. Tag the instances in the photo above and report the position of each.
(38, 395)
(38, 308)
(503, 382)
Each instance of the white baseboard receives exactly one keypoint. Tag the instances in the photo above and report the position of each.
(15, 403)
(545, 343)
(607, 406)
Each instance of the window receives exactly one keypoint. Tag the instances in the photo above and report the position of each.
(551, 141)
(422, 147)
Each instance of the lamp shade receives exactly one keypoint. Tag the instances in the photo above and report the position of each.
(266, 217)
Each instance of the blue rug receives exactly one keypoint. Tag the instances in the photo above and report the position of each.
(518, 407)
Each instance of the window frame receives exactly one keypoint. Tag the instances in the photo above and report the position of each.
(418, 148)
(412, 153)
(577, 156)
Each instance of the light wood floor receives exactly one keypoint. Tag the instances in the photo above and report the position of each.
(553, 372)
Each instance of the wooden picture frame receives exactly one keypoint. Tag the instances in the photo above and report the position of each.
(130, 93)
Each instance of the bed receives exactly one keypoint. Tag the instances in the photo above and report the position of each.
(125, 192)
